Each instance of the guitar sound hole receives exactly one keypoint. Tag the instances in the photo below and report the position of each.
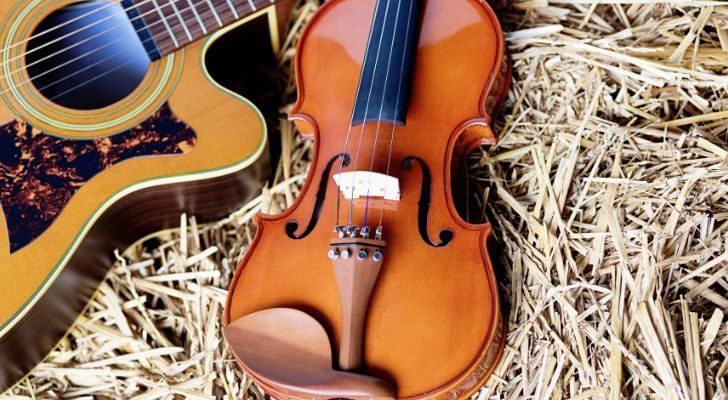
(86, 56)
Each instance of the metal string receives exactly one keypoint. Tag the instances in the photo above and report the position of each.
(25, 82)
(366, 111)
(379, 118)
(95, 11)
(351, 120)
(394, 126)
(93, 36)
(69, 34)
(93, 79)
(78, 18)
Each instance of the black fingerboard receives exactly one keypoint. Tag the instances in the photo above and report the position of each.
(386, 76)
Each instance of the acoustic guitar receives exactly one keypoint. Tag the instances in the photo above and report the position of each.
(111, 125)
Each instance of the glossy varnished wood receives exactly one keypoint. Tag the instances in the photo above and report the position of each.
(45, 284)
(25, 270)
(433, 328)
(300, 368)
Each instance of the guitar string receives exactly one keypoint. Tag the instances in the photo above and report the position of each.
(381, 111)
(117, 26)
(152, 37)
(366, 111)
(98, 76)
(78, 18)
(74, 45)
(124, 11)
(48, 57)
(82, 16)
(94, 78)
(377, 10)
(25, 82)
(69, 34)
(394, 126)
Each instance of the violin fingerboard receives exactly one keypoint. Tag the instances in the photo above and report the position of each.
(386, 77)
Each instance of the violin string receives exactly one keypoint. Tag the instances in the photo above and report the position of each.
(75, 59)
(381, 110)
(349, 129)
(377, 10)
(394, 125)
(366, 111)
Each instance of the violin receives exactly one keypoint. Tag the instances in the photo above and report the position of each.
(372, 285)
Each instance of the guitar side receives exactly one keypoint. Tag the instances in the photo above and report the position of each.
(192, 147)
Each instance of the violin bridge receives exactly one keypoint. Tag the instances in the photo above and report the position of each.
(358, 184)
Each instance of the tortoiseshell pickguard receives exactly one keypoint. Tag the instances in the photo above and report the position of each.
(39, 173)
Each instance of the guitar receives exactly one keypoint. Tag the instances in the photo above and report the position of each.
(111, 125)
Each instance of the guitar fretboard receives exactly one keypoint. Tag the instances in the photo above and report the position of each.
(164, 26)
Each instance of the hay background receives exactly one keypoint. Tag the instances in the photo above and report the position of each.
(608, 193)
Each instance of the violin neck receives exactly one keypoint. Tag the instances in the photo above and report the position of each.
(386, 77)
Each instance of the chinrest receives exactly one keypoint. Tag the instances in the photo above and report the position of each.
(289, 350)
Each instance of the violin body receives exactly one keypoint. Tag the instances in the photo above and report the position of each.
(433, 327)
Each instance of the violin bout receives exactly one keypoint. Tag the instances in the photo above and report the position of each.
(299, 368)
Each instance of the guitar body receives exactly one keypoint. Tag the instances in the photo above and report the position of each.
(75, 183)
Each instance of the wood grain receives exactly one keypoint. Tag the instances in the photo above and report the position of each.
(46, 283)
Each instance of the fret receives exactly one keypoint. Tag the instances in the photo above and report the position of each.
(181, 20)
(214, 12)
(224, 11)
(145, 36)
(232, 7)
(163, 18)
(189, 16)
(148, 15)
(171, 24)
(249, 6)
(193, 7)
(207, 22)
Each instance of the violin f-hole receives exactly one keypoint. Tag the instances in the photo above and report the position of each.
(292, 226)
(446, 235)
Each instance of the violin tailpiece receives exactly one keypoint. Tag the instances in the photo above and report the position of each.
(356, 263)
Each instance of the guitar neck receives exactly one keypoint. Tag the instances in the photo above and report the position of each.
(164, 26)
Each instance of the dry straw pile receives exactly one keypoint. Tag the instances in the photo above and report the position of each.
(608, 192)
